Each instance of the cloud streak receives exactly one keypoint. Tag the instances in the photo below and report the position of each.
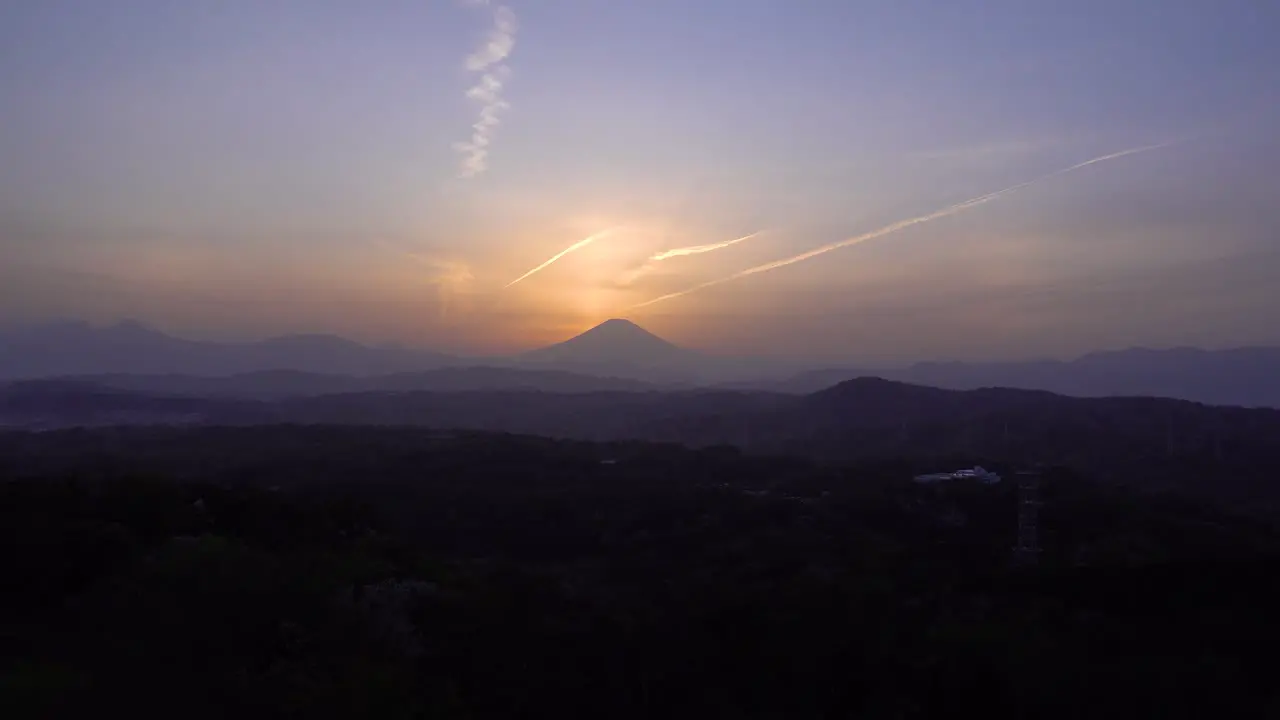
(572, 248)
(700, 249)
(900, 225)
(632, 275)
(488, 60)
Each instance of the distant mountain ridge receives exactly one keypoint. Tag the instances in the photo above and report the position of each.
(1246, 377)
(616, 355)
(66, 349)
(280, 384)
(1221, 452)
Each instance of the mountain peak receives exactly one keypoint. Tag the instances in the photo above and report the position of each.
(617, 330)
(614, 341)
(619, 322)
(619, 327)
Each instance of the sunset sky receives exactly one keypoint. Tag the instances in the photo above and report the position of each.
(392, 170)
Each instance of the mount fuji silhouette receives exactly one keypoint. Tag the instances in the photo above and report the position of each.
(617, 347)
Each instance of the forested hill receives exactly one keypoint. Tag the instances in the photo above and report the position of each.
(396, 573)
(1217, 452)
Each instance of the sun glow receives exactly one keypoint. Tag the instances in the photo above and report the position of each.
(579, 279)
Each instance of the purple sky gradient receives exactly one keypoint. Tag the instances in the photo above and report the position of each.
(238, 168)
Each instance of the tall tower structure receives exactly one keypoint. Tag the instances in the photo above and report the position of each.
(1027, 551)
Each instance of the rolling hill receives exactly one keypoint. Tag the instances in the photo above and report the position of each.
(1220, 452)
(616, 355)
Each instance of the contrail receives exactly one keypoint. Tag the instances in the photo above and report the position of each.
(900, 225)
(635, 273)
(576, 246)
(488, 91)
(699, 249)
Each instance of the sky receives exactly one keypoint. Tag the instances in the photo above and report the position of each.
(411, 172)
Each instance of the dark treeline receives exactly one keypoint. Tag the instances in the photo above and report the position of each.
(381, 572)
(1223, 454)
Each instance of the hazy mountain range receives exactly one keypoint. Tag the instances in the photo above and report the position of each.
(1161, 443)
(1248, 377)
(129, 347)
(614, 356)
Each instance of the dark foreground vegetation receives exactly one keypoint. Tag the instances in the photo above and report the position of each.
(387, 573)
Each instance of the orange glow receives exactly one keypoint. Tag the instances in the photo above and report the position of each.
(576, 286)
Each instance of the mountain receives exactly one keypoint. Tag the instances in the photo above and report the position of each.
(620, 348)
(1247, 377)
(612, 341)
(616, 355)
(280, 384)
(1223, 453)
(78, 348)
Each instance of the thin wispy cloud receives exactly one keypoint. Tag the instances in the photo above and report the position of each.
(451, 278)
(652, 262)
(900, 225)
(700, 249)
(488, 60)
(572, 248)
